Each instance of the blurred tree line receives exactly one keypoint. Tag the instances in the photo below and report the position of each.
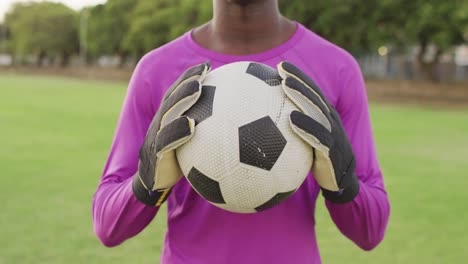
(41, 30)
(133, 27)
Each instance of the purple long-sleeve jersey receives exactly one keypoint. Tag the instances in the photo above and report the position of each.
(197, 231)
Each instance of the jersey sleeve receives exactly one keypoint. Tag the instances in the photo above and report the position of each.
(363, 220)
(117, 214)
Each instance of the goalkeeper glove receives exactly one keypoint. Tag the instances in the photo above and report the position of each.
(158, 169)
(319, 124)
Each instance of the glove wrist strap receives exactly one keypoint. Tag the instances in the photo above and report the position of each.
(344, 196)
(150, 198)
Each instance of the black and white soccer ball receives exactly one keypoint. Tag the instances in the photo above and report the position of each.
(244, 157)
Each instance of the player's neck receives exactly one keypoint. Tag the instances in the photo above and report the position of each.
(248, 29)
(237, 23)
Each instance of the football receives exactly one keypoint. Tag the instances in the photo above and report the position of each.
(243, 156)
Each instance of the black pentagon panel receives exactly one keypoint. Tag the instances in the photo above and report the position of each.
(265, 73)
(206, 187)
(261, 143)
(203, 108)
(278, 198)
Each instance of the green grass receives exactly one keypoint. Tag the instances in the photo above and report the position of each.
(56, 133)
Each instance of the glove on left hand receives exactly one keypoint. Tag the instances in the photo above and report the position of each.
(320, 126)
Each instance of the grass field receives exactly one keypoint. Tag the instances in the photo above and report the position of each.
(55, 135)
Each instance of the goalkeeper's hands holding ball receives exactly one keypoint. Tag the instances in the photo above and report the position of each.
(319, 124)
(158, 169)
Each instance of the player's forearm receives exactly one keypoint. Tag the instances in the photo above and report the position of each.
(117, 214)
(363, 220)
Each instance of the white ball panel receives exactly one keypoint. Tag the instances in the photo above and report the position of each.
(295, 162)
(211, 149)
(247, 187)
(245, 95)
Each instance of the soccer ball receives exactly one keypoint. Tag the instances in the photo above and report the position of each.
(243, 156)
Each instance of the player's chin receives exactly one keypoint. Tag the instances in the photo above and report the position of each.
(245, 2)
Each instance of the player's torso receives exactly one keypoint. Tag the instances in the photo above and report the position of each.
(200, 231)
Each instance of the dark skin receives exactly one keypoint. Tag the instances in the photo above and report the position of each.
(241, 27)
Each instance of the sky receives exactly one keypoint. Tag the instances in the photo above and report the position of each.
(76, 4)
